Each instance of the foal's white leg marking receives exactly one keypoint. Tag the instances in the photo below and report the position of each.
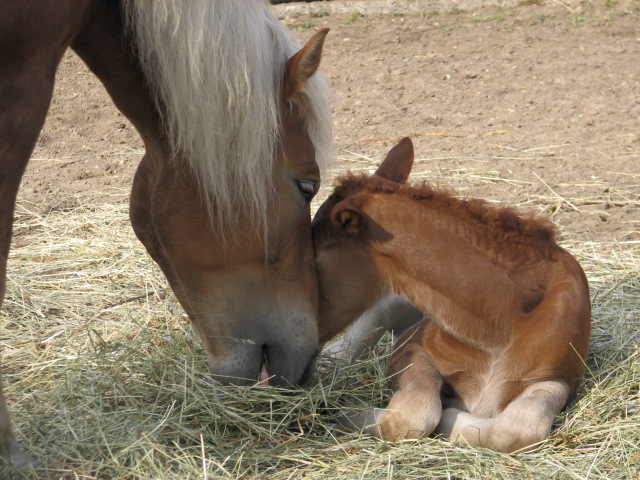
(392, 312)
(413, 412)
(415, 408)
(527, 420)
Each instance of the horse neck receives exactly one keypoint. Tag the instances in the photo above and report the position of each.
(449, 268)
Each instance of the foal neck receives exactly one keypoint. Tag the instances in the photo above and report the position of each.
(471, 266)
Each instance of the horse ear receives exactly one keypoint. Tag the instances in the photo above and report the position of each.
(346, 216)
(398, 162)
(302, 65)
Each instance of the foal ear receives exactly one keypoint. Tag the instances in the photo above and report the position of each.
(302, 65)
(346, 216)
(398, 162)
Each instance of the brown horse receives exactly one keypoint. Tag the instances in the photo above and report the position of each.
(236, 128)
(510, 317)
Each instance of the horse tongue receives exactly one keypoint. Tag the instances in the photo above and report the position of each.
(263, 379)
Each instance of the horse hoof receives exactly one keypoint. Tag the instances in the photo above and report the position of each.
(16, 464)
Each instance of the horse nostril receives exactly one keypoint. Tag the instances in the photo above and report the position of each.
(284, 368)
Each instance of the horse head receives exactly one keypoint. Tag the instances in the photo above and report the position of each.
(247, 282)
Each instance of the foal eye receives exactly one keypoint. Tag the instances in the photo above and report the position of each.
(307, 188)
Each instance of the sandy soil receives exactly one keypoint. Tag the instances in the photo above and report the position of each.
(529, 102)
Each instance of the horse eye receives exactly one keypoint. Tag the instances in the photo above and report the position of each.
(307, 188)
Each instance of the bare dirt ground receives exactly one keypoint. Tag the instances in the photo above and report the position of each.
(529, 102)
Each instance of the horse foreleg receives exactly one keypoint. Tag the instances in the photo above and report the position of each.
(9, 180)
(11, 452)
(525, 421)
(25, 93)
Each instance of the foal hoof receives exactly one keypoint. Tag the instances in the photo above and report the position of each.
(387, 424)
(366, 422)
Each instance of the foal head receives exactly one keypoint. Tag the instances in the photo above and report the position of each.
(343, 236)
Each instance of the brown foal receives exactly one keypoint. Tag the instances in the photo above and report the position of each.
(509, 312)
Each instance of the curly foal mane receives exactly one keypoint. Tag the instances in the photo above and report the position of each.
(504, 225)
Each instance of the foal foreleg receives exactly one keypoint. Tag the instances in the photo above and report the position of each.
(525, 421)
(415, 407)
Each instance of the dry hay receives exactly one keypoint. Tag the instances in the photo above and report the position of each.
(105, 378)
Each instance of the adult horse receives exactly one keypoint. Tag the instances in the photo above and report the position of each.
(236, 130)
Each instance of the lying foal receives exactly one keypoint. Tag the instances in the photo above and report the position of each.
(510, 316)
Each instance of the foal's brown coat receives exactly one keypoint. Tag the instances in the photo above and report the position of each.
(510, 313)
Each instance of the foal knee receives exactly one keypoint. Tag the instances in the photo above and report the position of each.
(522, 424)
(525, 422)
(510, 437)
(410, 414)
(501, 433)
(528, 419)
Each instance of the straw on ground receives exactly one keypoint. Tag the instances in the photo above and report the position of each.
(105, 378)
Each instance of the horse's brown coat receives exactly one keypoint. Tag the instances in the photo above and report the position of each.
(252, 299)
(503, 351)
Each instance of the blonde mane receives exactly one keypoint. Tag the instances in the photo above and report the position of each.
(215, 68)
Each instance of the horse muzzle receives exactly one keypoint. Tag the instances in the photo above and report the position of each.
(274, 365)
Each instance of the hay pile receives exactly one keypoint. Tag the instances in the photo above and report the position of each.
(106, 379)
